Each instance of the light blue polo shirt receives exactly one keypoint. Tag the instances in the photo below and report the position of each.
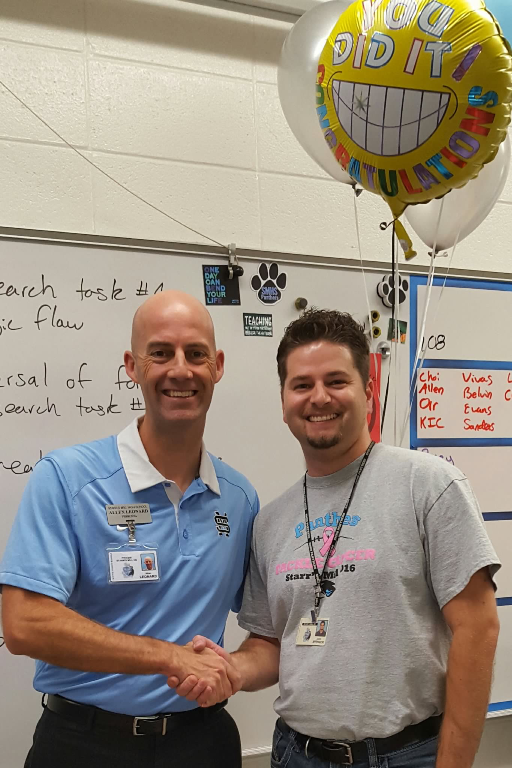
(58, 547)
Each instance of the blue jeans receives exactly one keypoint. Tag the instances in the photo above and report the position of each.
(286, 753)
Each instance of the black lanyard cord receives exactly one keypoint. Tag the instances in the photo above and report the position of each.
(320, 577)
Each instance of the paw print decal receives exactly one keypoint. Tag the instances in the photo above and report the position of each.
(386, 290)
(269, 282)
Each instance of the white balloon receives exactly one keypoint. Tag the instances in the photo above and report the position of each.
(296, 80)
(463, 209)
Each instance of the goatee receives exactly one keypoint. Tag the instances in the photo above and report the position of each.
(324, 442)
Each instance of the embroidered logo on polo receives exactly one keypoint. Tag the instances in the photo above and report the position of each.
(222, 524)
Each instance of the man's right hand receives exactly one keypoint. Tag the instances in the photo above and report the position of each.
(203, 676)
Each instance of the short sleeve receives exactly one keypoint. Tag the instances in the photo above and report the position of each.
(255, 614)
(42, 553)
(457, 544)
(254, 509)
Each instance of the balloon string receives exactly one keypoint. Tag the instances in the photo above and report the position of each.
(384, 409)
(395, 359)
(421, 346)
(429, 287)
(396, 331)
(417, 368)
(360, 249)
(423, 355)
(447, 273)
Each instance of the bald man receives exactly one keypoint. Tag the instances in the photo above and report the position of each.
(108, 631)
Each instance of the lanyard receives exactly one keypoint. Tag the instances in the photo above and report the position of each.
(320, 577)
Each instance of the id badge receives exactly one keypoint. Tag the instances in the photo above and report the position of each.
(312, 632)
(129, 564)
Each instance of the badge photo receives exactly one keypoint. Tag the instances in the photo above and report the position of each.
(312, 632)
(126, 565)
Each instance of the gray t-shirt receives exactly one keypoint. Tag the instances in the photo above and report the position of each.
(412, 539)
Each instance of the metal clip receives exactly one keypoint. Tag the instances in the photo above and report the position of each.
(439, 254)
(384, 349)
(234, 268)
(131, 532)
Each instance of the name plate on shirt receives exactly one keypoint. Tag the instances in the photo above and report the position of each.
(122, 513)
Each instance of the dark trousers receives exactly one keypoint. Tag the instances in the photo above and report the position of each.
(211, 741)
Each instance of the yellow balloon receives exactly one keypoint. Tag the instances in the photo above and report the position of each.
(413, 96)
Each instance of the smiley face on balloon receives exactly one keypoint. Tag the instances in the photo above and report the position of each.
(413, 96)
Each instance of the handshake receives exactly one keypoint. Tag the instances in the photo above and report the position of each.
(205, 672)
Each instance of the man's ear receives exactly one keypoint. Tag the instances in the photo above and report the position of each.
(282, 406)
(129, 364)
(369, 392)
(219, 365)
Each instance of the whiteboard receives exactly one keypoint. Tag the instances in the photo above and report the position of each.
(75, 369)
(78, 373)
(462, 412)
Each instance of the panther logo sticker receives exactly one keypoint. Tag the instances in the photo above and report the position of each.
(268, 283)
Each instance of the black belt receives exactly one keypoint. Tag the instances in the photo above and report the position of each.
(88, 717)
(346, 753)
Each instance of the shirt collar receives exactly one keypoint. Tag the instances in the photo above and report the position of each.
(141, 474)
